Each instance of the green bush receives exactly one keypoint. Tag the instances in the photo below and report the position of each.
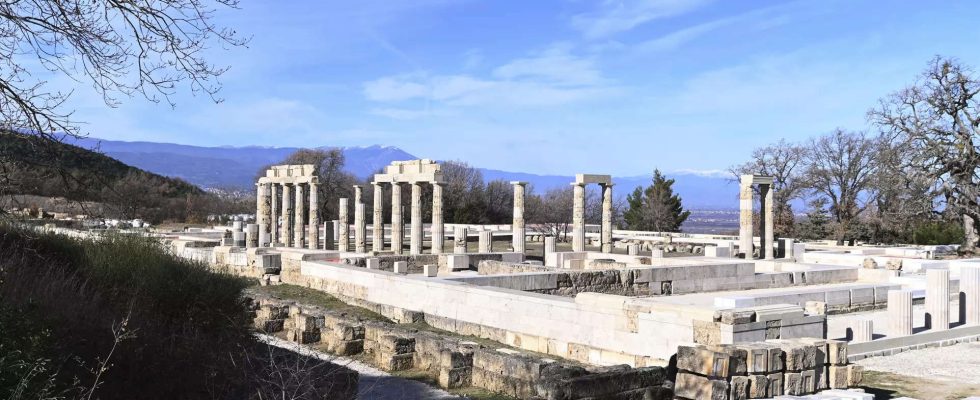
(118, 314)
(938, 232)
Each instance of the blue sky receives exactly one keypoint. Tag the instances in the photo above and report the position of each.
(553, 86)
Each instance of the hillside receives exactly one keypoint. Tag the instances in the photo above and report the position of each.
(63, 170)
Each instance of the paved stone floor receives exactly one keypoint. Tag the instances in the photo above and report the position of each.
(374, 383)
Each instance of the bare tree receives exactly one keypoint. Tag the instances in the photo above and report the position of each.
(784, 162)
(121, 48)
(335, 183)
(937, 123)
(552, 211)
(841, 167)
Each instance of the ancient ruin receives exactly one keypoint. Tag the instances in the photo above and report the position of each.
(737, 327)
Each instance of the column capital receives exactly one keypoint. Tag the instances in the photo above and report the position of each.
(581, 184)
(518, 183)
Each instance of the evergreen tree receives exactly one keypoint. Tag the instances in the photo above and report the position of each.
(655, 208)
(817, 223)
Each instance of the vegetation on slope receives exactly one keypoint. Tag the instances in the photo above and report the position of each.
(119, 317)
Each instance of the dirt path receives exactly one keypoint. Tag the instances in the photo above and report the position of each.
(951, 372)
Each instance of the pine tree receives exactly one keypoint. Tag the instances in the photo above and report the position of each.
(656, 208)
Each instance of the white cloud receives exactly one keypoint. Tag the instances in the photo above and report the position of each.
(616, 16)
(552, 77)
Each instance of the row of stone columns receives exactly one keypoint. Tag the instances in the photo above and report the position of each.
(397, 222)
(578, 217)
(286, 202)
(900, 320)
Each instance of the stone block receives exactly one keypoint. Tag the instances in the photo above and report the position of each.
(836, 352)
(372, 263)
(758, 386)
(736, 316)
(809, 380)
(430, 270)
(395, 344)
(776, 384)
(457, 262)
(737, 358)
(855, 374)
(693, 386)
(837, 377)
(815, 308)
(793, 384)
(452, 378)
(739, 388)
(703, 361)
(401, 267)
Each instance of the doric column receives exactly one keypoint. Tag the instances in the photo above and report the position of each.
(416, 239)
(298, 214)
(262, 209)
(273, 214)
(343, 237)
(438, 230)
(549, 247)
(360, 226)
(607, 202)
(862, 331)
(970, 294)
(745, 216)
(314, 234)
(459, 240)
(485, 242)
(899, 313)
(397, 226)
(937, 299)
(518, 229)
(377, 221)
(770, 222)
(287, 211)
(578, 217)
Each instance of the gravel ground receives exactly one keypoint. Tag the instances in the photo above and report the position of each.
(373, 383)
(957, 363)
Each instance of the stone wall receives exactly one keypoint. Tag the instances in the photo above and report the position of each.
(763, 369)
(452, 361)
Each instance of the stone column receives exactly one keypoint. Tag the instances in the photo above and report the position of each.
(607, 203)
(745, 216)
(252, 235)
(438, 229)
(397, 227)
(459, 240)
(377, 221)
(899, 313)
(360, 229)
(287, 212)
(274, 214)
(578, 217)
(343, 236)
(862, 331)
(263, 213)
(937, 299)
(970, 294)
(768, 223)
(549, 246)
(314, 236)
(360, 225)
(298, 214)
(518, 230)
(415, 243)
(485, 243)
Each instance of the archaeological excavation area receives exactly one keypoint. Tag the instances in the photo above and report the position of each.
(616, 315)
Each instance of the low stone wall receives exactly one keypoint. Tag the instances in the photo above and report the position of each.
(455, 362)
(763, 369)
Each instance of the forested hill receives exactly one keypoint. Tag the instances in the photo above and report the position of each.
(46, 168)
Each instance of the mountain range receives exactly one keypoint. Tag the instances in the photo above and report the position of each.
(237, 167)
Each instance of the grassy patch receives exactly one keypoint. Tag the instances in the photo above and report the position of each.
(317, 298)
